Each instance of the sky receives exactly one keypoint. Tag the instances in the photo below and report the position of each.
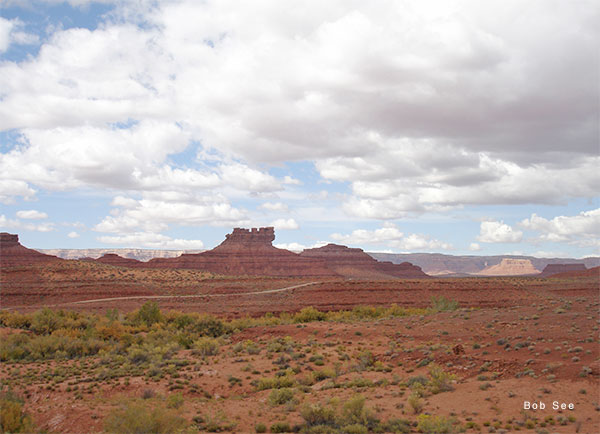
(458, 127)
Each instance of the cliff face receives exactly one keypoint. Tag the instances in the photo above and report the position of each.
(355, 263)
(13, 254)
(248, 252)
(552, 269)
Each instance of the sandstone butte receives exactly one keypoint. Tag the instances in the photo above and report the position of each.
(510, 267)
(355, 263)
(13, 254)
(248, 252)
(552, 269)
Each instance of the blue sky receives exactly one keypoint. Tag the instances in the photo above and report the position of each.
(425, 126)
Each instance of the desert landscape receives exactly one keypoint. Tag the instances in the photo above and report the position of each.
(250, 338)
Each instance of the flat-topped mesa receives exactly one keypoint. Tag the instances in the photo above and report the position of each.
(263, 236)
(8, 240)
(355, 263)
(13, 254)
(552, 269)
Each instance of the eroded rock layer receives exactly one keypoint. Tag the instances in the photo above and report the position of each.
(248, 252)
(13, 254)
(355, 263)
(552, 269)
(119, 261)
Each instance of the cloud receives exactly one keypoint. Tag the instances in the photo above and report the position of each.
(151, 240)
(11, 33)
(498, 232)
(417, 107)
(157, 211)
(283, 224)
(10, 188)
(581, 230)
(31, 214)
(292, 247)
(19, 225)
(474, 247)
(391, 236)
(274, 206)
(73, 234)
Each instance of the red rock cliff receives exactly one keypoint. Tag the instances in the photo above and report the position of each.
(119, 261)
(356, 263)
(13, 254)
(248, 252)
(552, 269)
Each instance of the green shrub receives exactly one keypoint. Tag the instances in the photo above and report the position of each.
(443, 304)
(440, 381)
(415, 402)
(279, 427)
(355, 413)
(207, 346)
(435, 424)
(148, 314)
(260, 428)
(317, 414)
(397, 426)
(309, 314)
(281, 396)
(355, 429)
(175, 400)
(137, 418)
(13, 419)
(275, 382)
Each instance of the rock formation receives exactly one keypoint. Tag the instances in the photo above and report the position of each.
(119, 261)
(248, 252)
(552, 269)
(510, 267)
(355, 263)
(13, 254)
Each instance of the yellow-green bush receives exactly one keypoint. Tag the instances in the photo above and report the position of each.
(139, 418)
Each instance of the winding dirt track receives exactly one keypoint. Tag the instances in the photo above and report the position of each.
(152, 297)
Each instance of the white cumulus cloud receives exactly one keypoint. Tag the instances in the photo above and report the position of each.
(498, 232)
(31, 214)
(582, 229)
(283, 224)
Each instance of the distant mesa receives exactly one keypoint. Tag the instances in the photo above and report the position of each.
(553, 269)
(13, 254)
(355, 263)
(510, 267)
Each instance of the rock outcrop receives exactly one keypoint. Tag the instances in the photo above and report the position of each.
(510, 267)
(552, 269)
(119, 261)
(13, 254)
(248, 252)
(355, 263)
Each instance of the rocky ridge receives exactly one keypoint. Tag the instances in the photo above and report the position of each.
(355, 263)
(14, 254)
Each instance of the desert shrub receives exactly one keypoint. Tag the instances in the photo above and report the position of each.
(175, 400)
(323, 374)
(397, 426)
(309, 314)
(148, 314)
(260, 428)
(415, 402)
(13, 419)
(365, 360)
(354, 412)
(435, 424)
(281, 396)
(45, 321)
(137, 418)
(440, 381)
(209, 326)
(279, 427)
(281, 382)
(251, 347)
(15, 320)
(443, 304)
(207, 346)
(317, 414)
